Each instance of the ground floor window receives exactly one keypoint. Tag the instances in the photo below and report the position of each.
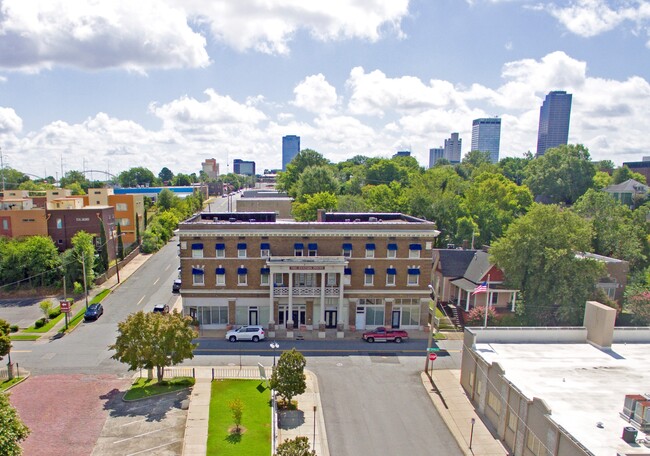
(212, 315)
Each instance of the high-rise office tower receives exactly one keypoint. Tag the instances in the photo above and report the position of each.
(452, 148)
(435, 154)
(486, 136)
(290, 148)
(554, 118)
(246, 168)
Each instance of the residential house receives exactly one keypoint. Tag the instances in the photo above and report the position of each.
(628, 192)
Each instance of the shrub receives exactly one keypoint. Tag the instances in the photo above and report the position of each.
(13, 328)
(78, 288)
(476, 316)
(54, 313)
(39, 323)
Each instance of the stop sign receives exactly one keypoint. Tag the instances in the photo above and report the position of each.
(432, 356)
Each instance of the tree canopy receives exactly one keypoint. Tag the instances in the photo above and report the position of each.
(136, 176)
(154, 340)
(540, 254)
(288, 377)
(12, 429)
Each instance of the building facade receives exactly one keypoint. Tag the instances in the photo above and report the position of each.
(345, 271)
(63, 224)
(290, 148)
(211, 168)
(554, 116)
(246, 168)
(435, 154)
(486, 136)
(453, 148)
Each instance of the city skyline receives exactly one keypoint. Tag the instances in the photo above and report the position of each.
(105, 87)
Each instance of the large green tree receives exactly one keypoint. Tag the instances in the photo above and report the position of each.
(540, 254)
(386, 198)
(12, 178)
(75, 177)
(515, 168)
(493, 202)
(562, 175)
(12, 429)
(288, 378)
(136, 176)
(616, 232)
(305, 158)
(154, 340)
(624, 173)
(315, 179)
(165, 175)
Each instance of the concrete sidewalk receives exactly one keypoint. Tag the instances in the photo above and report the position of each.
(457, 411)
(311, 423)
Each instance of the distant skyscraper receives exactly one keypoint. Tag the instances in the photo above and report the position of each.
(486, 136)
(246, 168)
(452, 148)
(554, 118)
(211, 168)
(290, 148)
(402, 153)
(435, 154)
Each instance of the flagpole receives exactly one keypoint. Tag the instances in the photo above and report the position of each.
(487, 300)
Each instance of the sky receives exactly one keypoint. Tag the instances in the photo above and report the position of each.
(106, 86)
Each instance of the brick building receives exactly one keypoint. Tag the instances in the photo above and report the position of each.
(345, 271)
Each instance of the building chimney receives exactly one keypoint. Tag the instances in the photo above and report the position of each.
(320, 215)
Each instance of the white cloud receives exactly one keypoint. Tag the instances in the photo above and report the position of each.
(315, 94)
(269, 26)
(10, 122)
(96, 35)
(589, 18)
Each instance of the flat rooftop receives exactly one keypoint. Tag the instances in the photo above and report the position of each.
(581, 384)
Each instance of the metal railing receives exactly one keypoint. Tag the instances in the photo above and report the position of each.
(306, 291)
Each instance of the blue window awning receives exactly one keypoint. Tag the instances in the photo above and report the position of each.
(347, 271)
(369, 271)
(392, 246)
(220, 271)
(242, 271)
(347, 246)
(197, 271)
(391, 271)
(370, 246)
(298, 246)
(197, 246)
(241, 246)
(312, 246)
(265, 270)
(220, 246)
(414, 271)
(265, 246)
(415, 247)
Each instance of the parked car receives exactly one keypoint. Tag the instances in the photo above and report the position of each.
(382, 334)
(93, 312)
(176, 287)
(161, 308)
(254, 333)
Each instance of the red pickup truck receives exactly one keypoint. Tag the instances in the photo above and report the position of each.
(382, 334)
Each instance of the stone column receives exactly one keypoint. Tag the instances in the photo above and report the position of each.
(290, 315)
(321, 323)
(340, 323)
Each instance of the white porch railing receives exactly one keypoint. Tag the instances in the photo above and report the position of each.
(306, 291)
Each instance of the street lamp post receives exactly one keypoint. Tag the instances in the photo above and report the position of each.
(274, 345)
(471, 434)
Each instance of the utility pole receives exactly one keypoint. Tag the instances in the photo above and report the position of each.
(83, 265)
(2, 170)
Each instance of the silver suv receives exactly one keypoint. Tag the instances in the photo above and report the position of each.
(254, 333)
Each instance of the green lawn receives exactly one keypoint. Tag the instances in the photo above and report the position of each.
(7, 383)
(100, 296)
(143, 388)
(45, 328)
(256, 419)
(24, 336)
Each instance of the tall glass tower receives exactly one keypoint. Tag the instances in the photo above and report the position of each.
(486, 136)
(554, 118)
(290, 148)
(453, 147)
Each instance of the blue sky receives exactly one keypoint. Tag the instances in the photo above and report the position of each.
(111, 85)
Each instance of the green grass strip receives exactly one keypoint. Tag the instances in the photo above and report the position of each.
(143, 388)
(100, 297)
(79, 316)
(24, 337)
(256, 418)
(7, 383)
(45, 328)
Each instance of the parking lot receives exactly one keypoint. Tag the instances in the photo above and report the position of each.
(20, 311)
(152, 426)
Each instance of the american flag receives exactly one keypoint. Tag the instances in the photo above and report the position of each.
(480, 288)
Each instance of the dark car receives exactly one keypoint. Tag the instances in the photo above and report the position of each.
(161, 308)
(176, 287)
(93, 312)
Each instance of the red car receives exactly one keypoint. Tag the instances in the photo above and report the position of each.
(382, 334)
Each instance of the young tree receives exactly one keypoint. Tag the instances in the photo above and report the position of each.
(12, 429)
(288, 377)
(46, 307)
(148, 340)
(120, 242)
(236, 407)
(295, 447)
(540, 255)
(165, 199)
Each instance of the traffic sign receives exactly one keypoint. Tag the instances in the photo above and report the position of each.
(432, 356)
(65, 306)
(433, 349)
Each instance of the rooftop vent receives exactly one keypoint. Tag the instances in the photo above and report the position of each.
(232, 219)
(357, 220)
(372, 219)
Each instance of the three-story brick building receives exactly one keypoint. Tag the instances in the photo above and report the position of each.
(345, 271)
